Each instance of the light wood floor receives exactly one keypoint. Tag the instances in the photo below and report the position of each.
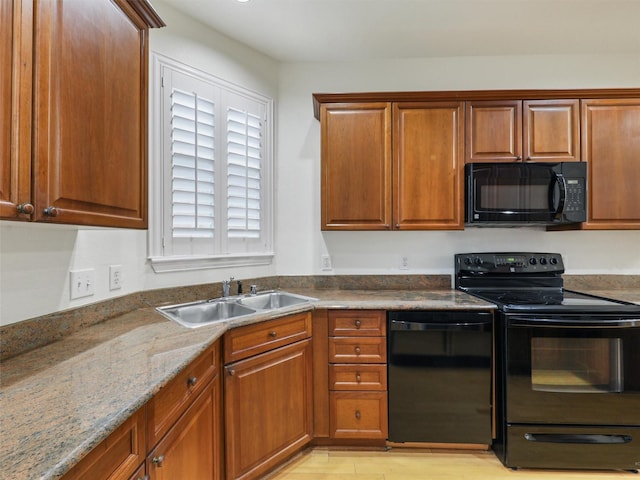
(402, 464)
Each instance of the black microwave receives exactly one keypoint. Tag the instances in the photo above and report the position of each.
(525, 193)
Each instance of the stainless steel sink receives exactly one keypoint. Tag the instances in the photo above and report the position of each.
(271, 300)
(197, 314)
(207, 312)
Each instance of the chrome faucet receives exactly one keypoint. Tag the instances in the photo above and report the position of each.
(226, 285)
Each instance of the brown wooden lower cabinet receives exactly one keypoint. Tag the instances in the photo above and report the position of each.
(268, 409)
(179, 431)
(359, 415)
(192, 447)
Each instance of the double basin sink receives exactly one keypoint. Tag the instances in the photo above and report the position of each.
(207, 312)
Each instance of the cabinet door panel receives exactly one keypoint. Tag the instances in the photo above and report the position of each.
(268, 409)
(551, 130)
(15, 107)
(428, 165)
(191, 449)
(90, 113)
(494, 131)
(611, 148)
(356, 166)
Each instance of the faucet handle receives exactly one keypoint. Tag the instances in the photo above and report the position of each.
(254, 289)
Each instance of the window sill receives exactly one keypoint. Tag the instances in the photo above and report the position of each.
(181, 264)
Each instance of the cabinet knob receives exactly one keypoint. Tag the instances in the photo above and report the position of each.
(25, 208)
(358, 377)
(192, 381)
(519, 158)
(51, 212)
(158, 460)
(358, 323)
(357, 350)
(146, 477)
(273, 334)
(232, 372)
(358, 414)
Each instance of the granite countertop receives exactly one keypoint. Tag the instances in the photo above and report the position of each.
(59, 401)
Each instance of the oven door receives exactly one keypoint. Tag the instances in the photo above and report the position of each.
(573, 369)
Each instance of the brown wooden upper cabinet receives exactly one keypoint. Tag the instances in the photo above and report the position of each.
(392, 165)
(529, 130)
(611, 148)
(74, 139)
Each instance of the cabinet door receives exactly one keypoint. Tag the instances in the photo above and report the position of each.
(90, 104)
(268, 409)
(494, 131)
(611, 148)
(192, 447)
(15, 109)
(356, 166)
(551, 130)
(428, 165)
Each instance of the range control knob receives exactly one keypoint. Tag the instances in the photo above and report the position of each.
(478, 261)
(543, 261)
(533, 261)
(467, 261)
(553, 261)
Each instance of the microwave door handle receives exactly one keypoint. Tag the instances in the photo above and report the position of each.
(562, 186)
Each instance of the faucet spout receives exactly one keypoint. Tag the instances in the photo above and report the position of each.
(226, 286)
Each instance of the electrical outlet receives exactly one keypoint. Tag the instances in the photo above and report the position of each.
(404, 263)
(115, 277)
(325, 262)
(81, 283)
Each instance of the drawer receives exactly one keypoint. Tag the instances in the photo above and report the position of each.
(167, 405)
(357, 350)
(358, 323)
(247, 341)
(358, 377)
(359, 415)
(118, 456)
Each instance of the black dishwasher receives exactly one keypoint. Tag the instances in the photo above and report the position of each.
(440, 376)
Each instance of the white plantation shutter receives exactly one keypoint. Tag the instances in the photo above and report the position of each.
(193, 172)
(211, 172)
(244, 164)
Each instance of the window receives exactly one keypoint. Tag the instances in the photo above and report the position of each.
(211, 172)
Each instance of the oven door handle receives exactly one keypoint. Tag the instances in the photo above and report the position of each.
(550, 322)
(562, 187)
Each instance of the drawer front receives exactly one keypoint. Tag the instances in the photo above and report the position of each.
(118, 456)
(167, 405)
(358, 377)
(247, 341)
(357, 350)
(359, 415)
(357, 323)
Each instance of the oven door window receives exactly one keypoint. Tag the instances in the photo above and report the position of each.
(577, 365)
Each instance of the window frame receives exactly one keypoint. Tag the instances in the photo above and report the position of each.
(159, 155)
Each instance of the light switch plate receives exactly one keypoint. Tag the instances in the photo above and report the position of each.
(82, 283)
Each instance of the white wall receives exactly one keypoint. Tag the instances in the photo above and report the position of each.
(35, 259)
(301, 243)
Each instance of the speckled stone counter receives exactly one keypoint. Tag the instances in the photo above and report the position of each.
(58, 401)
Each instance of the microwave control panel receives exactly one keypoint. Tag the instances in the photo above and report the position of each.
(575, 195)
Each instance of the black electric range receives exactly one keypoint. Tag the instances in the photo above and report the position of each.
(567, 365)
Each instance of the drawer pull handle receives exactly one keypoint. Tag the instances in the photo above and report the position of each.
(192, 381)
(358, 377)
(232, 372)
(358, 414)
(357, 350)
(158, 460)
(273, 334)
(51, 212)
(358, 323)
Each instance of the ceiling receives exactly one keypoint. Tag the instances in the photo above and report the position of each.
(348, 30)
